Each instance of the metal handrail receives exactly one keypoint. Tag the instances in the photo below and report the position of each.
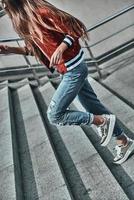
(30, 66)
(22, 69)
(109, 36)
(11, 40)
(106, 56)
(110, 18)
(102, 22)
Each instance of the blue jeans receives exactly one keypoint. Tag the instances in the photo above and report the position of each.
(74, 83)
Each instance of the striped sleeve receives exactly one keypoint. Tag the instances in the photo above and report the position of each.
(68, 40)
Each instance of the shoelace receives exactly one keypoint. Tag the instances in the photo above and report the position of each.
(103, 128)
(118, 151)
(101, 131)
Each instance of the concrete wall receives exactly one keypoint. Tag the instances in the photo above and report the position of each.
(90, 12)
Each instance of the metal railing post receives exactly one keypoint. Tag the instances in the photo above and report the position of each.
(30, 66)
(96, 60)
(93, 58)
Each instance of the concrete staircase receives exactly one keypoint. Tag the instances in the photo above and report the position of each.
(39, 161)
(44, 162)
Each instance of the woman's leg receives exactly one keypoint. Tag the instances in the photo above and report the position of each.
(91, 103)
(74, 83)
(89, 100)
(66, 92)
(69, 87)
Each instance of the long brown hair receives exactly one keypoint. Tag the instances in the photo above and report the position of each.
(26, 20)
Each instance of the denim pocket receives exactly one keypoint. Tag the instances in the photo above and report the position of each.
(79, 71)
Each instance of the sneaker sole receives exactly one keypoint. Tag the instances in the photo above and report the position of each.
(129, 151)
(110, 133)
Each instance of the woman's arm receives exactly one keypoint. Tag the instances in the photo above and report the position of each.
(57, 55)
(16, 50)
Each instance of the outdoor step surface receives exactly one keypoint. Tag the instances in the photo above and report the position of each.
(3, 84)
(125, 172)
(7, 176)
(98, 181)
(123, 111)
(20, 76)
(17, 84)
(122, 82)
(48, 177)
(95, 176)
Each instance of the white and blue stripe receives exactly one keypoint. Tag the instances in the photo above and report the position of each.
(75, 61)
(68, 40)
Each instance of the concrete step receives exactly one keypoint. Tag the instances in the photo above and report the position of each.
(7, 165)
(123, 111)
(20, 76)
(42, 80)
(17, 84)
(3, 84)
(42, 175)
(121, 83)
(114, 68)
(93, 179)
(124, 173)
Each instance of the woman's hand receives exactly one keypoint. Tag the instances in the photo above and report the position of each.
(3, 49)
(57, 55)
(14, 50)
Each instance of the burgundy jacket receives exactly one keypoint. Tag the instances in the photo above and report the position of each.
(72, 56)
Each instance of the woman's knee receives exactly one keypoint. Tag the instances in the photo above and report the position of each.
(51, 113)
(53, 117)
(55, 120)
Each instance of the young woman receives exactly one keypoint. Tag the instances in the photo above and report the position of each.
(53, 36)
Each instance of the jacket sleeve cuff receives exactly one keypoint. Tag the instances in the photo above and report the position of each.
(68, 40)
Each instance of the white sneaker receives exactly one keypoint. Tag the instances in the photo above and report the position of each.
(106, 130)
(123, 152)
